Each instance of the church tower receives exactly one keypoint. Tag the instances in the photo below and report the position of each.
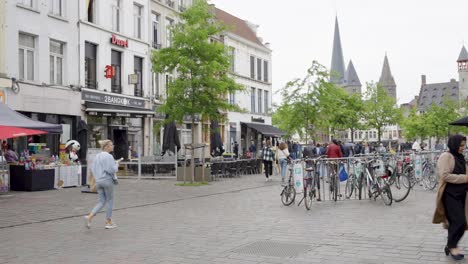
(337, 68)
(386, 79)
(352, 83)
(463, 74)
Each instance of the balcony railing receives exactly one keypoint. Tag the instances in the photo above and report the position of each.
(182, 8)
(156, 45)
(170, 3)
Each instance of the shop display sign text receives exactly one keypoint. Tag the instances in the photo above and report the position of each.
(119, 42)
(112, 99)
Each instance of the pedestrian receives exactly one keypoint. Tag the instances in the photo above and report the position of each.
(253, 150)
(295, 149)
(334, 150)
(268, 157)
(416, 146)
(236, 149)
(451, 194)
(283, 156)
(104, 168)
(10, 155)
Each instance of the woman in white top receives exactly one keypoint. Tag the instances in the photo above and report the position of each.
(283, 155)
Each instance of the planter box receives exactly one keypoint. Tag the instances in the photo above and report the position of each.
(31, 180)
(188, 175)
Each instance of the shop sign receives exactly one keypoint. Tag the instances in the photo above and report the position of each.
(119, 42)
(111, 99)
(187, 118)
(2, 97)
(110, 72)
(133, 79)
(111, 114)
(258, 120)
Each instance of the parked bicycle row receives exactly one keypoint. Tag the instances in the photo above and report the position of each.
(388, 176)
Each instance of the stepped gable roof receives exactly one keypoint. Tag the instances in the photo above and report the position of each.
(237, 26)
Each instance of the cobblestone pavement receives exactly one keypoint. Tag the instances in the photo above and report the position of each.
(237, 220)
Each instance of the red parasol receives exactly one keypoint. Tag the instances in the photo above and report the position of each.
(11, 132)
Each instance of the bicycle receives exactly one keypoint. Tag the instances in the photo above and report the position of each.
(334, 181)
(311, 180)
(376, 185)
(288, 194)
(354, 180)
(398, 181)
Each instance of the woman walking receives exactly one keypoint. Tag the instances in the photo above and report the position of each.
(283, 155)
(451, 195)
(104, 168)
(268, 157)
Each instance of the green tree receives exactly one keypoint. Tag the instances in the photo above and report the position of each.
(201, 65)
(414, 125)
(298, 111)
(381, 109)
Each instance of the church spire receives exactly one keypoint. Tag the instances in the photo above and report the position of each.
(337, 63)
(352, 82)
(386, 79)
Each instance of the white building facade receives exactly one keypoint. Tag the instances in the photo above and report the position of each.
(114, 73)
(39, 52)
(251, 64)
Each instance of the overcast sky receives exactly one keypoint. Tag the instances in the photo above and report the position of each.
(419, 36)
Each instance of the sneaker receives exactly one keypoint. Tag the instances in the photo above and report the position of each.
(110, 226)
(266, 179)
(87, 222)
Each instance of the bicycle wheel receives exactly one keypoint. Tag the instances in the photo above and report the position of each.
(360, 185)
(308, 196)
(429, 178)
(288, 195)
(335, 187)
(386, 194)
(409, 172)
(400, 188)
(350, 186)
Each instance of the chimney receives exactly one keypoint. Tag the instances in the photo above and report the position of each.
(423, 79)
(453, 80)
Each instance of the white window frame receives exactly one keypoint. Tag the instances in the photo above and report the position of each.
(156, 86)
(116, 12)
(24, 50)
(28, 3)
(169, 22)
(53, 68)
(53, 6)
(155, 17)
(137, 20)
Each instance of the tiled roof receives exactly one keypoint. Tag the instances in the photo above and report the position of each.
(437, 93)
(463, 55)
(237, 26)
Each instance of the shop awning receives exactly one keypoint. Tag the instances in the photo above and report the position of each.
(266, 130)
(9, 117)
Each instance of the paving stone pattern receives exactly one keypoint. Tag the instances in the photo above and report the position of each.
(238, 220)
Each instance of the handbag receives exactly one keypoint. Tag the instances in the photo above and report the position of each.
(342, 173)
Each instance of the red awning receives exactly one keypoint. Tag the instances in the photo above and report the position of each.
(12, 132)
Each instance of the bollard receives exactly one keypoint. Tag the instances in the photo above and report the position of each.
(139, 162)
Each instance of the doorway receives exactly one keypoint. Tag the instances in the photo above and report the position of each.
(120, 138)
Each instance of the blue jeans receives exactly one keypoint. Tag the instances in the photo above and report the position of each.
(283, 164)
(105, 190)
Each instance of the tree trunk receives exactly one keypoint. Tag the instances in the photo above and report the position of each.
(352, 135)
(378, 134)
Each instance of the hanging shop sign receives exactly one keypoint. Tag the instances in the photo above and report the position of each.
(258, 120)
(110, 72)
(119, 42)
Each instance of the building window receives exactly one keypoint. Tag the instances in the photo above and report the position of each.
(56, 62)
(265, 71)
(267, 99)
(259, 110)
(28, 3)
(90, 65)
(232, 57)
(252, 67)
(56, 7)
(232, 98)
(116, 15)
(252, 100)
(181, 6)
(137, 19)
(116, 81)
(168, 32)
(91, 12)
(168, 82)
(26, 57)
(155, 85)
(259, 69)
(155, 20)
(138, 66)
